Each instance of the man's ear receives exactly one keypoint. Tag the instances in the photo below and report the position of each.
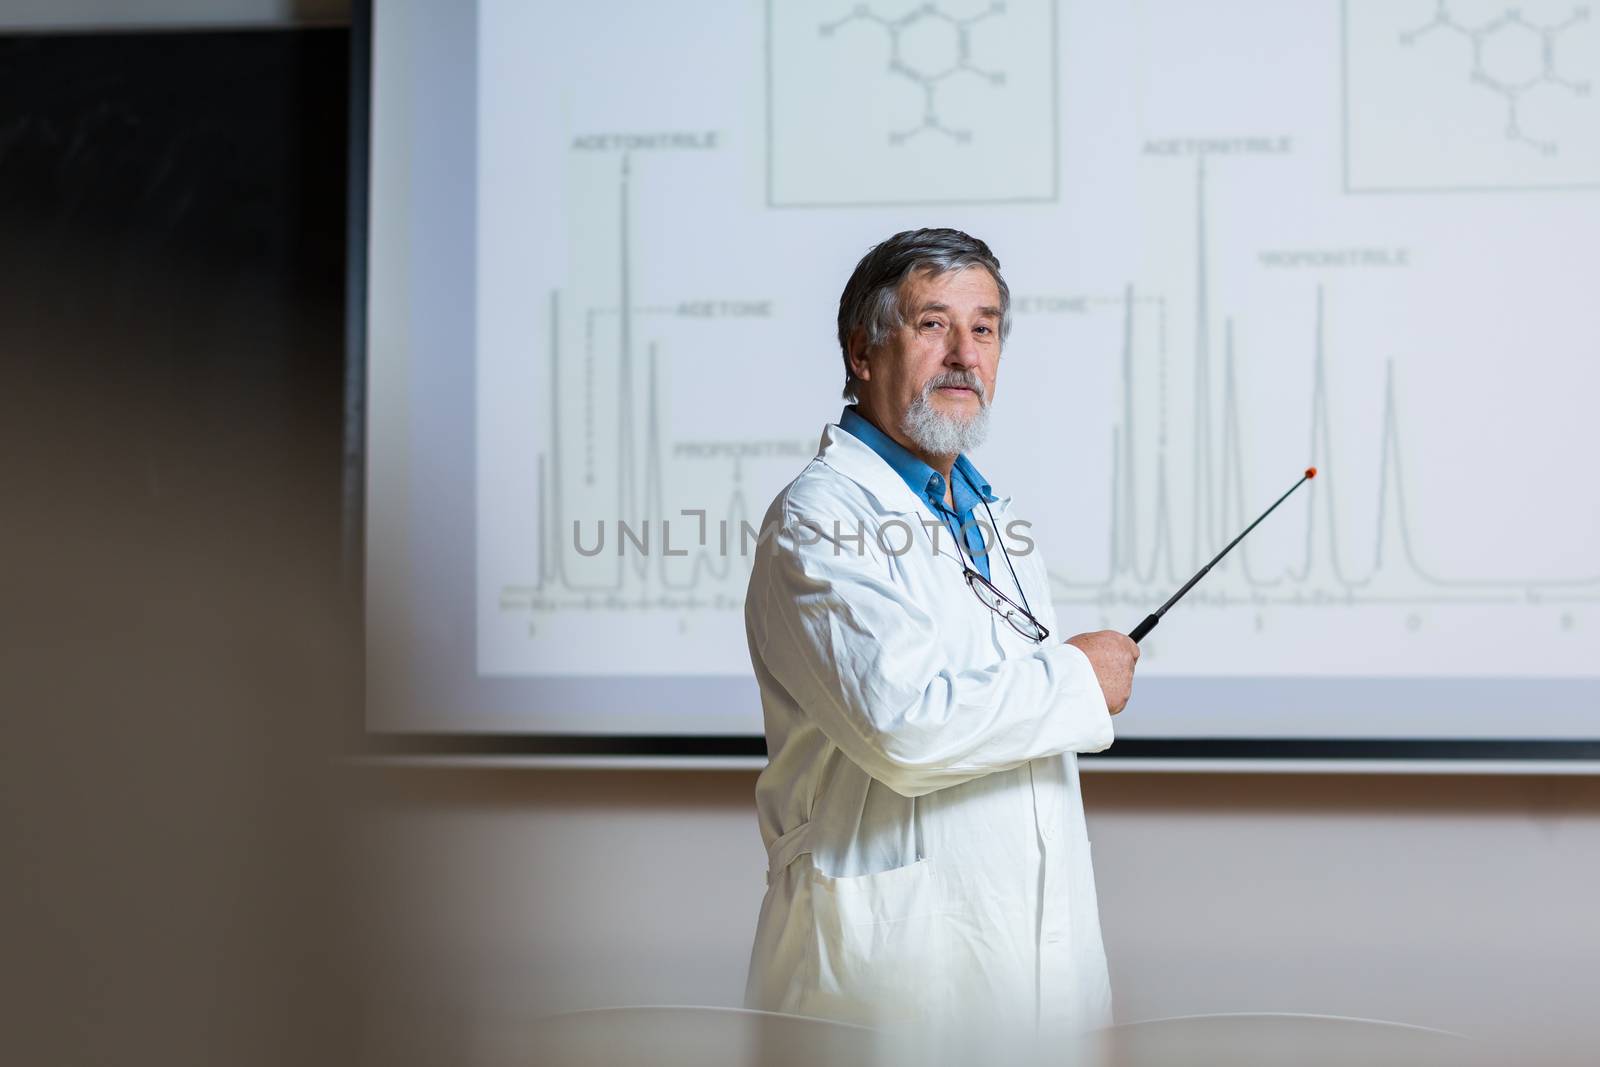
(860, 364)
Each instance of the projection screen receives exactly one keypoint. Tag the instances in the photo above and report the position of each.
(604, 252)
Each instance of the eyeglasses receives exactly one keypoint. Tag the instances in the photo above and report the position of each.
(1020, 618)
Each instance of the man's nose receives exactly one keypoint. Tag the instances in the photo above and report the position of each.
(962, 352)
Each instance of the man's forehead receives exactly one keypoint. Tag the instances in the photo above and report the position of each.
(966, 286)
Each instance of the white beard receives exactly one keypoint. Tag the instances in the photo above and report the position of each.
(939, 434)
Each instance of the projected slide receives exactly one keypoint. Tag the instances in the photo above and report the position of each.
(1242, 238)
(1216, 282)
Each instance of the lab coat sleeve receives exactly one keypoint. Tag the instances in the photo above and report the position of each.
(864, 661)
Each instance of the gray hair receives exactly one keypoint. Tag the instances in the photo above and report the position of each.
(871, 298)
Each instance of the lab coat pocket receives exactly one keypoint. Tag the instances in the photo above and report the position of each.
(879, 945)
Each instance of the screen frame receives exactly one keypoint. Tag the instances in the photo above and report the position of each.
(740, 750)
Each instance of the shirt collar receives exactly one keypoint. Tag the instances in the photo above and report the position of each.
(970, 473)
(926, 482)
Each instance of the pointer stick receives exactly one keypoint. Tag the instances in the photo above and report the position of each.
(1150, 621)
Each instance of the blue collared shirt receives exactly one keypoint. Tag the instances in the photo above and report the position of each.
(928, 484)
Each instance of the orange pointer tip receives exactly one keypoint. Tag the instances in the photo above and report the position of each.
(1311, 472)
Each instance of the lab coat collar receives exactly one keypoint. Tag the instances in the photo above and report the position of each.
(855, 460)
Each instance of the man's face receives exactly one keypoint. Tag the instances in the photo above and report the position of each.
(950, 339)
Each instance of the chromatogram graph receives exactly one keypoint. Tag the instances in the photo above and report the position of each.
(684, 563)
(1144, 563)
(627, 548)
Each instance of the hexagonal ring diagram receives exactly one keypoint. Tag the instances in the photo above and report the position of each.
(929, 46)
(1511, 56)
(888, 102)
(1486, 95)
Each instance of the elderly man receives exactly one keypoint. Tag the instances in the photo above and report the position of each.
(928, 860)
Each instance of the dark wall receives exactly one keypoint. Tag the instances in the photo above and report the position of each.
(175, 642)
(173, 212)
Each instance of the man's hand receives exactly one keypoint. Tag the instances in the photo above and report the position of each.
(1113, 655)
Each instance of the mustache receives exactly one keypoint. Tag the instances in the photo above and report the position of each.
(956, 379)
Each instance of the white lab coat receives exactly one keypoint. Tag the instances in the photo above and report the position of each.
(928, 860)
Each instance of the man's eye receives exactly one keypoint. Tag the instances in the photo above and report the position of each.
(933, 322)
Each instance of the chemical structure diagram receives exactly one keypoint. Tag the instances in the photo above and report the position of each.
(1510, 56)
(927, 45)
